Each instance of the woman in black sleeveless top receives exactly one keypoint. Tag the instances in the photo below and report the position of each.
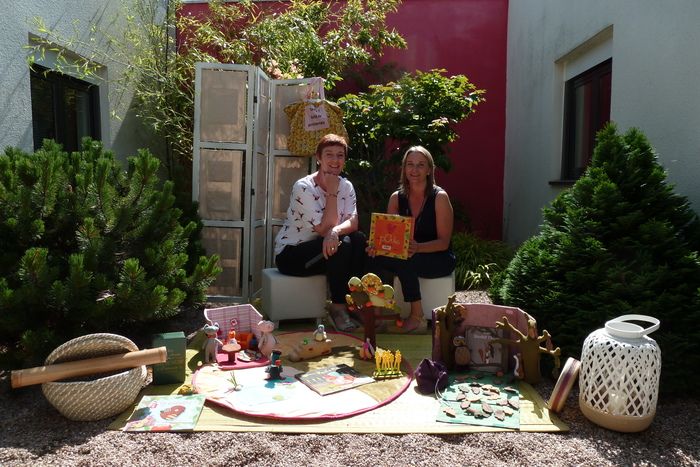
(429, 252)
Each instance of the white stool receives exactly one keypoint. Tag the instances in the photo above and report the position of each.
(434, 293)
(291, 297)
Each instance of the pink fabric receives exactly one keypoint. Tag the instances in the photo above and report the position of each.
(302, 403)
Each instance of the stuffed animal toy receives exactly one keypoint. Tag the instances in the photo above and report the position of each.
(267, 340)
(211, 344)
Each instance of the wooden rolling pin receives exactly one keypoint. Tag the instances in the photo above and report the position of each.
(89, 366)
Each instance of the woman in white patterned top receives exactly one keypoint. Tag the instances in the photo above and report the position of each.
(320, 233)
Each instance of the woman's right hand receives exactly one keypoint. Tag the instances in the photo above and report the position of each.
(371, 251)
(331, 182)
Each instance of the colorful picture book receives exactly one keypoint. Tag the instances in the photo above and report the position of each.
(333, 378)
(391, 234)
(166, 413)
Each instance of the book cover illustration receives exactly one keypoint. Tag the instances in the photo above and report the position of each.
(166, 413)
(333, 378)
(390, 234)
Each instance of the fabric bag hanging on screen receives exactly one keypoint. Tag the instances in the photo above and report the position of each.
(311, 119)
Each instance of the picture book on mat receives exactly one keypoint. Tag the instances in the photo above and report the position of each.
(333, 378)
(166, 413)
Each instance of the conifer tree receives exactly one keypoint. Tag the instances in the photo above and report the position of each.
(618, 242)
(86, 246)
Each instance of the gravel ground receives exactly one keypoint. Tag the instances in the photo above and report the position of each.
(34, 433)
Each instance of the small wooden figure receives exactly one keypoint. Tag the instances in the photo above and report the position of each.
(211, 343)
(529, 349)
(462, 354)
(367, 350)
(232, 332)
(320, 333)
(274, 369)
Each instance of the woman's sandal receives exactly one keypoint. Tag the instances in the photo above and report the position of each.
(340, 321)
(414, 326)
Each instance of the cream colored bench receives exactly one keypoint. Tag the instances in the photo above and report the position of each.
(291, 297)
(434, 293)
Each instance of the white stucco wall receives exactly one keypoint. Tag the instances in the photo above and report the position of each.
(123, 135)
(655, 48)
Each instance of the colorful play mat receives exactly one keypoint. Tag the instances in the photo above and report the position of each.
(245, 389)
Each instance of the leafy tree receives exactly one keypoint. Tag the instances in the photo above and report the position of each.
(419, 108)
(618, 242)
(300, 38)
(86, 246)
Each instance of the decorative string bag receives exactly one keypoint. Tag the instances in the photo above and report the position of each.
(311, 119)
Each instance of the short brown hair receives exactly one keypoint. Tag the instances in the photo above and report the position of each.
(331, 140)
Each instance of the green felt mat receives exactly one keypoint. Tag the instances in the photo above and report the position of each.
(411, 412)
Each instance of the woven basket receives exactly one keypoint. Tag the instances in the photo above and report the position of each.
(99, 398)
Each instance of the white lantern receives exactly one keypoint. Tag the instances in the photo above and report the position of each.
(619, 376)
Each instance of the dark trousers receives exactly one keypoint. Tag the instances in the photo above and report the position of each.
(428, 265)
(348, 261)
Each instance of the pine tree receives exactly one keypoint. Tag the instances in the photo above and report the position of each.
(86, 246)
(618, 242)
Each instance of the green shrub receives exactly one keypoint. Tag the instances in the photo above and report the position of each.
(618, 242)
(86, 247)
(478, 260)
(419, 108)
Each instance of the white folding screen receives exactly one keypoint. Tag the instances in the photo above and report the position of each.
(285, 168)
(242, 171)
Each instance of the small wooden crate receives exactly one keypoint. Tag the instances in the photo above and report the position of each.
(246, 316)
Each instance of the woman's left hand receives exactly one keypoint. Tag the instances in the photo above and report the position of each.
(412, 248)
(330, 244)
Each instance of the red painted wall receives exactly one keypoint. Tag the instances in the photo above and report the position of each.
(464, 37)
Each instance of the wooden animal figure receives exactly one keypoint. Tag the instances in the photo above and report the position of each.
(211, 343)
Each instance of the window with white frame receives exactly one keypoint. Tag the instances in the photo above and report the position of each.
(586, 111)
(64, 108)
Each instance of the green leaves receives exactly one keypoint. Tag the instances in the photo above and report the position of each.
(87, 247)
(620, 241)
(478, 260)
(303, 38)
(419, 108)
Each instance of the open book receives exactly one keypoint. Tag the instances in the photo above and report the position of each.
(333, 378)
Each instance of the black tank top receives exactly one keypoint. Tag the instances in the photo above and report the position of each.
(425, 228)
